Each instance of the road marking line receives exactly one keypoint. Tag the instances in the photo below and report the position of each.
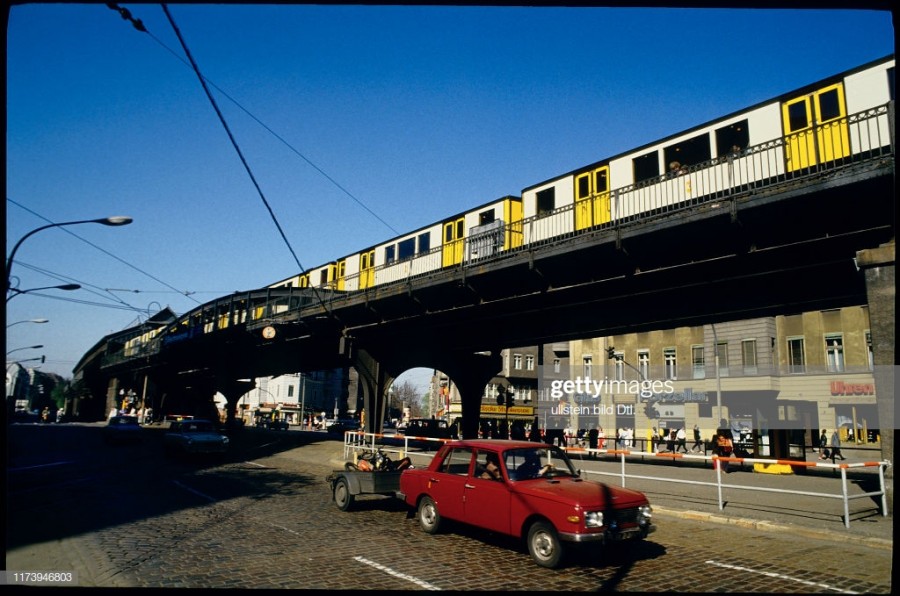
(388, 570)
(781, 576)
(191, 490)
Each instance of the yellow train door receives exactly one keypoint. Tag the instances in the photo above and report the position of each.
(815, 128)
(454, 237)
(366, 269)
(592, 198)
(339, 275)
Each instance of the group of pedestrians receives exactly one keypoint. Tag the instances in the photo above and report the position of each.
(675, 440)
(830, 450)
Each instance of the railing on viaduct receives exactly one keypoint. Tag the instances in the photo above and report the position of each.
(751, 171)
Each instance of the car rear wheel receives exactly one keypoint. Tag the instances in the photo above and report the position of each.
(544, 545)
(342, 497)
(429, 517)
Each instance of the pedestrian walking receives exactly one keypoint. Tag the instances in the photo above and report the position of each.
(593, 435)
(698, 444)
(681, 440)
(836, 446)
(823, 445)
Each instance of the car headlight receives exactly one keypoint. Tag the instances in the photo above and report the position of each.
(224, 440)
(593, 519)
(645, 512)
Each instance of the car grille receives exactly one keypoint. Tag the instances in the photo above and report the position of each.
(624, 517)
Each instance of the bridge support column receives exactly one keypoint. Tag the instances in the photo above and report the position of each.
(375, 380)
(877, 265)
(471, 373)
(233, 390)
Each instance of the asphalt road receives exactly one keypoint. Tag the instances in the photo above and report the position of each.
(262, 517)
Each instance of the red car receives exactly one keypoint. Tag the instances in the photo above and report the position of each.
(535, 493)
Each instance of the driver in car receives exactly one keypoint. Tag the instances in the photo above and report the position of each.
(531, 467)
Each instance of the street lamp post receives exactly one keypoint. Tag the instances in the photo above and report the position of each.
(116, 220)
(28, 321)
(17, 292)
(37, 347)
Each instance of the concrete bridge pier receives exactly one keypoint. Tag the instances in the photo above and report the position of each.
(233, 390)
(375, 380)
(877, 264)
(471, 373)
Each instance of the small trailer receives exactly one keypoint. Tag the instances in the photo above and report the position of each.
(347, 484)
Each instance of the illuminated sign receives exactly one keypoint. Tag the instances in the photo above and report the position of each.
(842, 388)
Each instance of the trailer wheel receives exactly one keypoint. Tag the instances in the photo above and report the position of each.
(342, 497)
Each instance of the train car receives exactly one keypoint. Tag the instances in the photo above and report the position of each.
(838, 118)
(817, 124)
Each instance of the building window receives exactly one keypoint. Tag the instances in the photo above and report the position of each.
(722, 357)
(290, 391)
(870, 350)
(669, 358)
(698, 362)
(587, 364)
(557, 365)
(796, 355)
(619, 366)
(644, 363)
(834, 352)
(517, 361)
(529, 362)
(748, 354)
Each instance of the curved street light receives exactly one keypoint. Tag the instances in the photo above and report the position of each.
(29, 321)
(116, 220)
(37, 347)
(16, 291)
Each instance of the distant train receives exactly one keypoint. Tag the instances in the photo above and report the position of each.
(846, 117)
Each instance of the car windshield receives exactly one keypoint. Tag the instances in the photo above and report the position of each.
(198, 427)
(123, 421)
(538, 462)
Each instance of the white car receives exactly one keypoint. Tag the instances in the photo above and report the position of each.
(194, 436)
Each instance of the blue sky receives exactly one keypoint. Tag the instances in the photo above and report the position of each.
(415, 112)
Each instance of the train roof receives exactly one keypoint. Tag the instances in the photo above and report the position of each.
(785, 95)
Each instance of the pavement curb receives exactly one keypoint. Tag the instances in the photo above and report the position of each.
(769, 526)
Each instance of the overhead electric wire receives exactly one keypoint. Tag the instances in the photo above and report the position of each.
(139, 25)
(104, 251)
(237, 148)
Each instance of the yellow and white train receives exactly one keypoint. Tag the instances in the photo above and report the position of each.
(842, 119)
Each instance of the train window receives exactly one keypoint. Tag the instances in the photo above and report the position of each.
(424, 242)
(323, 277)
(389, 254)
(798, 116)
(486, 217)
(731, 136)
(829, 105)
(689, 152)
(406, 249)
(546, 201)
(583, 187)
(601, 183)
(890, 74)
(645, 167)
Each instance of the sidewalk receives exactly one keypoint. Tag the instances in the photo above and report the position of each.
(803, 514)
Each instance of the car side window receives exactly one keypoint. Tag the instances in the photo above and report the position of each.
(457, 462)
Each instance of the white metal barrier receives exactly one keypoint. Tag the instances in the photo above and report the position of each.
(843, 467)
(356, 441)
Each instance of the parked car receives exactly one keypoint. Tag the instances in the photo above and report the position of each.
(342, 425)
(537, 495)
(268, 423)
(194, 436)
(123, 429)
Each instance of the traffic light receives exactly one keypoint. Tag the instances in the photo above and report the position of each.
(501, 395)
(510, 398)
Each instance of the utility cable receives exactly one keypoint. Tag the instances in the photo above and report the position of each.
(237, 148)
(139, 25)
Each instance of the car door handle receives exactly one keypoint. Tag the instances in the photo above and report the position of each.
(467, 485)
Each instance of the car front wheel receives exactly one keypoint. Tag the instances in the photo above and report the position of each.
(544, 545)
(429, 517)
